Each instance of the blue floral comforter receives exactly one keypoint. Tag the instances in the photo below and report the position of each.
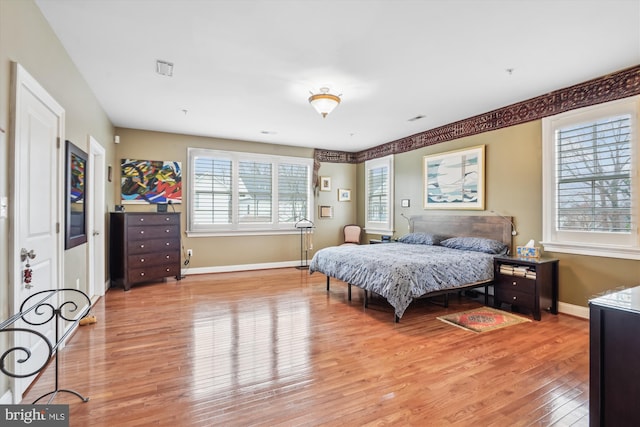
(401, 272)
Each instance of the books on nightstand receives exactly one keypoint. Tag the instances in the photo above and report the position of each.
(516, 270)
(506, 269)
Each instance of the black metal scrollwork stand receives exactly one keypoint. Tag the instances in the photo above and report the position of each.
(305, 226)
(47, 308)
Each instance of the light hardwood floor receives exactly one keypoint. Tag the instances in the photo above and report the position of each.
(274, 348)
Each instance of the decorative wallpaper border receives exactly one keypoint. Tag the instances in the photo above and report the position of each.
(621, 84)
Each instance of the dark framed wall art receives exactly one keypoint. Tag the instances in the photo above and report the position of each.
(75, 196)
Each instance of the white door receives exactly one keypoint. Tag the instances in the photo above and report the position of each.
(96, 215)
(37, 201)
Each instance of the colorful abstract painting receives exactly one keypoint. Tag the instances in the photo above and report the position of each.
(76, 190)
(150, 181)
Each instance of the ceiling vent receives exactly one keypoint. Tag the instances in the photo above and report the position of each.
(164, 68)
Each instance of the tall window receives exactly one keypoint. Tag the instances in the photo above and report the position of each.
(234, 192)
(590, 181)
(379, 195)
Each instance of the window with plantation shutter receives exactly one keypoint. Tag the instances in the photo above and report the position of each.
(594, 176)
(239, 193)
(379, 195)
(590, 181)
(293, 197)
(212, 191)
(254, 192)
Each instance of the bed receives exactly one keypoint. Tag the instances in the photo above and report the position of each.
(440, 254)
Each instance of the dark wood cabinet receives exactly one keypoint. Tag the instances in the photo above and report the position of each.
(614, 352)
(144, 246)
(530, 283)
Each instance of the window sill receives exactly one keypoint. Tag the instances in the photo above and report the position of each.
(382, 231)
(229, 233)
(611, 251)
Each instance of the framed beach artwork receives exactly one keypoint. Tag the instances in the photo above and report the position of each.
(455, 179)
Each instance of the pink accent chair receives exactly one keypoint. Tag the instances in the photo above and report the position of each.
(352, 234)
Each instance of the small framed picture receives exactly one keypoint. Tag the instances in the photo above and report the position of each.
(325, 183)
(326, 211)
(344, 195)
(405, 203)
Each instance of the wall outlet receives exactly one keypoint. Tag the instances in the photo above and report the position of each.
(189, 252)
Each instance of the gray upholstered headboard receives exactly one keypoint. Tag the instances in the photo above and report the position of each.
(491, 227)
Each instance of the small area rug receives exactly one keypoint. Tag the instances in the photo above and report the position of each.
(482, 319)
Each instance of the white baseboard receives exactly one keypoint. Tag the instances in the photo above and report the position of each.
(241, 267)
(573, 310)
(7, 398)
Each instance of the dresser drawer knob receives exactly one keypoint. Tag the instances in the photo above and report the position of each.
(167, 219)
(141, 246)
(515, 298)
(142, 274)
(141, 231)
(514, 283)
(167, 231)
(168, 257)
(168, 243)
(141, 219)
(141, 259)
(168, 269)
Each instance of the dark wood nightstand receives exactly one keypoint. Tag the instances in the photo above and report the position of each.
(530, 283)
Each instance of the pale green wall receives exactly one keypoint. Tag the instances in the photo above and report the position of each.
(240, 250)
(513, 177)
(26, 38)
(330, 229)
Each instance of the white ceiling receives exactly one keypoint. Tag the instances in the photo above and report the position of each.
(244, 67)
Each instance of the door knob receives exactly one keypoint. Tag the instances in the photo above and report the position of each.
(24, 254)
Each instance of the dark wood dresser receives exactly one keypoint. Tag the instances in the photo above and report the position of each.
(144, 246)
(614, 354)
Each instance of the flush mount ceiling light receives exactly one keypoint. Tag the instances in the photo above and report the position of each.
(164, 68)
(324, 102)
